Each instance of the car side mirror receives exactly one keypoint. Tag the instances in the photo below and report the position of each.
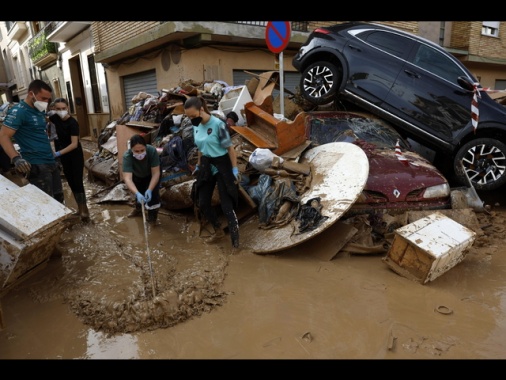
(465, 83)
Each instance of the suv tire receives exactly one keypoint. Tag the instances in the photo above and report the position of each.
(319, 82)
(484, 161)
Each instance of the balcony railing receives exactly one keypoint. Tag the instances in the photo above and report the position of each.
(299, 26)
(41, 50)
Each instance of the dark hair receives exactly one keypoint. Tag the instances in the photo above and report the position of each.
(36, 85)
(137, 139)
(197, 102)
(232, 115)
(60, 100)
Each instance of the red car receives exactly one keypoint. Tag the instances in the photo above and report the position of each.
(399, 179)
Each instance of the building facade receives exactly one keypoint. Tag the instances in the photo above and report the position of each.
(100, 65)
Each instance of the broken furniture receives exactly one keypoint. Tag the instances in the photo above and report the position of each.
(263, 130)
(31, 224)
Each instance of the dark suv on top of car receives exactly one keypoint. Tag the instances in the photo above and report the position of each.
(417, 86)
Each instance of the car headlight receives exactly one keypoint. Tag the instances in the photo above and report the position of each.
(437, 191)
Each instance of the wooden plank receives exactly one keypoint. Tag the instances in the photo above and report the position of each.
(254, 138)
(142, 124)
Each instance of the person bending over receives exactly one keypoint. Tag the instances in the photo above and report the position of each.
(141, 174)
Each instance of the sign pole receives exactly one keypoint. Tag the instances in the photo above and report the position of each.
(277, 36)
(281, 85)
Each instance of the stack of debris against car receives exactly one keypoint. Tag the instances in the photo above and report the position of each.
(275, 174)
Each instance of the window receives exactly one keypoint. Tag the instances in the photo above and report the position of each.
(388, 42)
(97, 104)
(70, 99)
(437, 63)
(500, 84)
(490, 28)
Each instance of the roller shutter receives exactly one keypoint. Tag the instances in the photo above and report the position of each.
(139, 82)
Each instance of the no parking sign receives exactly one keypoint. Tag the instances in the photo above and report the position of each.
(277, 35)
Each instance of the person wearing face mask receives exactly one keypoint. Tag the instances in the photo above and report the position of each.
(70, 152)
(25, 123)
(141, 174)
(51, 130)
(216, 165)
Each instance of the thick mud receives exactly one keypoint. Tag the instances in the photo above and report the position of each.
(110, 293)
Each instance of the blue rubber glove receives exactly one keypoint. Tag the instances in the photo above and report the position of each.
(148, 195)
(57, 154)
(236, 172)
(140, 198)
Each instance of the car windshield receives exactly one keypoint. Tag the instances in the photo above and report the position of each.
(333, 129)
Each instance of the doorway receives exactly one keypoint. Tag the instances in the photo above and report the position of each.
(76, 96)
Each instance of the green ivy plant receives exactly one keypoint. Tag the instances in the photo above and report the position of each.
(40, 47)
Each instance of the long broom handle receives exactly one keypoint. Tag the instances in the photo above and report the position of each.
(147, 249)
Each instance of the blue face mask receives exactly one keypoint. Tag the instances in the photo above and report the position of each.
(139, 156)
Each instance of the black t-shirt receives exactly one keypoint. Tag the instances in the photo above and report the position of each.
(65, 129)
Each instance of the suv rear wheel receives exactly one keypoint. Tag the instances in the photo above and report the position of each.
(484, 161)
(319, 82)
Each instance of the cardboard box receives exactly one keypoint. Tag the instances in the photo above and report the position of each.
(428, 247)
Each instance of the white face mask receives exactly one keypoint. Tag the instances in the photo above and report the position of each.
(139, 156)
(41, 106)
(62, 114)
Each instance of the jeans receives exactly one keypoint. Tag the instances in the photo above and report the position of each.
(47, 178)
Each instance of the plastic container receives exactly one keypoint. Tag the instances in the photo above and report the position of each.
(234, 100)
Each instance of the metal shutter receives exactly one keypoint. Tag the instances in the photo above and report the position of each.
(140, 82)
(292, 79)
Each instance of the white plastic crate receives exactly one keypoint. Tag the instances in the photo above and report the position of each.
(234, 100)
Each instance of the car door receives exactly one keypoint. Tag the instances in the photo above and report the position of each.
(375, 59)
(426, 93)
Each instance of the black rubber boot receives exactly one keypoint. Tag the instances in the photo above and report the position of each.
(152, 216)
(82, 207)
(234, 236)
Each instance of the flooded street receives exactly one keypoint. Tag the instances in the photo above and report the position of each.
(94, 299)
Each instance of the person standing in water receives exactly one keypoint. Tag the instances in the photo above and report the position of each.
(70, 152)
(216, 165)
(25, 123)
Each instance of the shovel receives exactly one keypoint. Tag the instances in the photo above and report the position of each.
(147, 249)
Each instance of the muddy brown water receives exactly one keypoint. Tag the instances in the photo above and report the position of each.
(94, 299)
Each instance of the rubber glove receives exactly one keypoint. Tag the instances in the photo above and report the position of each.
(21, 165)
(140, 198)
(148, 195)
(236, 172)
